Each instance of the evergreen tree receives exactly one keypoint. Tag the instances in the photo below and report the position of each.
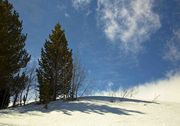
(13, 56)
(55, 66)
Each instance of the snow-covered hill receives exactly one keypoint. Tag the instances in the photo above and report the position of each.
(94, 111)
(162, 90)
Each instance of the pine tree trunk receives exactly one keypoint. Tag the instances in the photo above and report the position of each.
(54, 90)
(15, 99)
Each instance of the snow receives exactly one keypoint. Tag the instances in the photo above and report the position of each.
(163, 90)
(94, 111)
(162, 109)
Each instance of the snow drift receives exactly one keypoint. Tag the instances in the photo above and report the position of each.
(162, 90)
(167, 90)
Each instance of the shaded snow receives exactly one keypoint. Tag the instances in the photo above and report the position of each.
(94, 111)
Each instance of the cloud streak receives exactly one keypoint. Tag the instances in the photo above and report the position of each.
(80, 3)
(172, 52)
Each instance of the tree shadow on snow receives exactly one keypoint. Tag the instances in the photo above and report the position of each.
(72, 106)
(114, 99)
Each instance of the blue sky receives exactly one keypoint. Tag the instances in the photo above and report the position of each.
(121, 43)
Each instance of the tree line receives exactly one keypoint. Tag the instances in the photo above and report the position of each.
(59, 75)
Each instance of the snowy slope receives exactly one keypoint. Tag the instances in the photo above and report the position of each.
(163, 90)
(94, 111)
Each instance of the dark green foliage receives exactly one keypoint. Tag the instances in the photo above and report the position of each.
(4, 98)
(55, 66)
(13, 56)
(46, 94)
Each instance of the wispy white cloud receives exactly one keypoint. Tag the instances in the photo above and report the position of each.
(172, 52)
(66, 15)
(88, 12)
(110, 84)
(61, 7)
(80, 3)
(130, 22)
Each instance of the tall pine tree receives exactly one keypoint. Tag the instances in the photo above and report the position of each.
(13, 56)
(55, 67)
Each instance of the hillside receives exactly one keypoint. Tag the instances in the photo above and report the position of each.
(94, 111)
